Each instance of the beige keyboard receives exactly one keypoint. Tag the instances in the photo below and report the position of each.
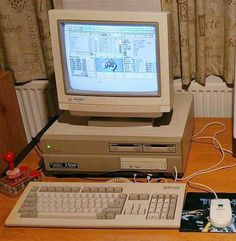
(99, 205)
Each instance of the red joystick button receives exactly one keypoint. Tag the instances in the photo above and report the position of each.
(9, 157)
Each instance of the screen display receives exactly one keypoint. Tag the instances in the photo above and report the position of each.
(111, 58)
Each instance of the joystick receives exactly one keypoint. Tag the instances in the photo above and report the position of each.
(16, 178)
(13, 172)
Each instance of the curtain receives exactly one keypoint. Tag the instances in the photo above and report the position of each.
(203, 38)
(109, 5)
(203, 35)
(25, 46)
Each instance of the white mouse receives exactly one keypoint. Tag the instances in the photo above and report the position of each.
(220, 213)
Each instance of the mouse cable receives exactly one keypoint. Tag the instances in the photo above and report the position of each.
(194, 185)
(218, 146)
(215, 134)
(205, 170)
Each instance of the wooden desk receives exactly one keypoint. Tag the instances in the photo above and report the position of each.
(200, 156)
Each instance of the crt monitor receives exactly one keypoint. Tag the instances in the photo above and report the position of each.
(112, 64)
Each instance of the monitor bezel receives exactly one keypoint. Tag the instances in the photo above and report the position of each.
(115, 106)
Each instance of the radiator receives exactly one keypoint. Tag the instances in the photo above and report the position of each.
(36, 106)
(212, 100)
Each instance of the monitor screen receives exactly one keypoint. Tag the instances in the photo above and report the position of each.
(112, 64)
(111, 58)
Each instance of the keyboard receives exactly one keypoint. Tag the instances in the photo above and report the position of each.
(99, 205)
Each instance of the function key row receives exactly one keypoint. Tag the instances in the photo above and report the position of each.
(77, 189)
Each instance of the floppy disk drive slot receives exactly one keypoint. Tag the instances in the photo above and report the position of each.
(125, 147)
(159, 148)
(146, 148)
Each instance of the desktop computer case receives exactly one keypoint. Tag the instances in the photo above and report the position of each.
(71, 146)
